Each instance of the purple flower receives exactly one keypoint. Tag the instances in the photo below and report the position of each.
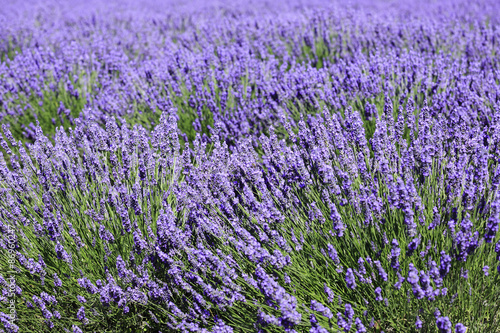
(46, 313)
(342, 323)
(8, 323)
(418, 323)
(444, 325)
(345, 321)
(317, 306)
(395, 253)
(464, 273)
(48, 298)
(381, 270)
(349, 312)
(360, 328)
(272, 290)
(57, 281)
(80, 315)
(350, 279)
(361, 266)
(401, 279)
(76, 329)
(445, 265)
(62, 254)
(413, 245)
(460, 328)
(329, 293)
(412, 275)
(333, 254)
(378, 294)
(435, 274)
(425, 283)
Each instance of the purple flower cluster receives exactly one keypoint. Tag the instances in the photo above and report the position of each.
(241, 168)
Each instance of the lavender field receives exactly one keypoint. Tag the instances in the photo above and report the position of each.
(250, 166)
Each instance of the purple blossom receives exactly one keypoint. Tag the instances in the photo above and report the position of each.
(378, 294)
(444, 324)
(329, 293)
(401, 279)
(76, 329)
(57, 281)
(395, 253)
(445, 265)
(460, 328)
(381, 270)
(80, 315)
(418, 323)
(360, 328)
(333, 254)
(350, 279)
(316, 306)
(413, 245)
(8, 323)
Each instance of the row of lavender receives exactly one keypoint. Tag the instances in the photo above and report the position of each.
(243, 68)
(342, 171)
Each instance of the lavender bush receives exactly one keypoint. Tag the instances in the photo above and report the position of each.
(250, 167)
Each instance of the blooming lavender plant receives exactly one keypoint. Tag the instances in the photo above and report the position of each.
(241, 168)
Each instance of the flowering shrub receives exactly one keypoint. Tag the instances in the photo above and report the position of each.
(260, 168)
